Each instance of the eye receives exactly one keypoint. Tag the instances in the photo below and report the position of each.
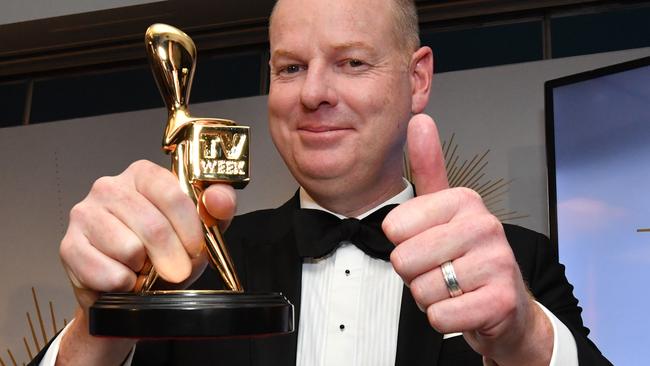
(291, 69)
(355, 63)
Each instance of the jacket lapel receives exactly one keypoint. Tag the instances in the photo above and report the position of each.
(417, 342)
(273, 265)
(276, 266)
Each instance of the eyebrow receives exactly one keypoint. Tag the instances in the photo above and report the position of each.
(283, 53)
(337, 47)
(351, 45)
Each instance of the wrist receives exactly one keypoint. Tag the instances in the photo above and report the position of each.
(78, 347)
(534, 345)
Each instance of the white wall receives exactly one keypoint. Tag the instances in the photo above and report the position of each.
(46, 168)
(14, 11)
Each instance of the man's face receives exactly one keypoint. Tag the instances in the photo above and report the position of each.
(340, 93)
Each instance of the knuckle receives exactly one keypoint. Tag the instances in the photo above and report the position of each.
(505, 302)
(397, 261)
(148, 170)
(434, 319)
(79, 213)
(491, 227)
(157, 232)
(467, 195)
(177, 198)
(390, 230)
(66, 248)
(134, 255)
(141, 165)
(509, 303)
(418, 290)
(501, 265)
(104, 186)
(118, 280)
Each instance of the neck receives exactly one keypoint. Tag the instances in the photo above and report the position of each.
(356, 202)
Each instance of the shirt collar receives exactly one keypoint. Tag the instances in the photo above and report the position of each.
(407, 193)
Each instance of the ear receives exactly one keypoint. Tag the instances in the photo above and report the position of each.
(421, 73)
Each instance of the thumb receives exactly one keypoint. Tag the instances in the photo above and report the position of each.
(218, 205)
(425, 155)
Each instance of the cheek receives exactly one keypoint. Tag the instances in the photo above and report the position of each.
(279, 132)
(376, 95)
(279, 108)
(277, 102)
(382, 110)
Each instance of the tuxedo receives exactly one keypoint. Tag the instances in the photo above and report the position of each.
(263, 247)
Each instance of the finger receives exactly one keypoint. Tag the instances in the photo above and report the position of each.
(220, 202)
(420, 213)
(111, 237)
(430, 287)
(162, 189)
(88, 268)
(199, 264)
(478, 310)
(459, 314)
(141, 216)
(440, 243)
(429, 249)
(425, 155)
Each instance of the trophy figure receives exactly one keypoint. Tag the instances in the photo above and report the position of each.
(203, 151)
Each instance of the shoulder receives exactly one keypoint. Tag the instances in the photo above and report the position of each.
(274, 222)
(523, 240)
(519, 234)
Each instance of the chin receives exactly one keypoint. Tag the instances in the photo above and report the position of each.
(323, 172)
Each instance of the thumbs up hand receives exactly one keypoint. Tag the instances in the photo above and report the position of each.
(451, 228)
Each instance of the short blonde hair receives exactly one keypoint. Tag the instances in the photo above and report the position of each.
(406, 24)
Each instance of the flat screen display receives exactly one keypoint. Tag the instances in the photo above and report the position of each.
(598, 144)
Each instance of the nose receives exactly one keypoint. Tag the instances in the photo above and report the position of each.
(318, 88)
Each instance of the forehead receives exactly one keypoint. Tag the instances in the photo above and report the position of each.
(337, 21)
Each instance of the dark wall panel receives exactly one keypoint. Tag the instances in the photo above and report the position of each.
(593, 33)
(94, 94)
(487, 46)
(12, 103)
(216, 78)
(227, 77)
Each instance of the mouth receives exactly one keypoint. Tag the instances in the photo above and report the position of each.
(321, 128)
(322, 135)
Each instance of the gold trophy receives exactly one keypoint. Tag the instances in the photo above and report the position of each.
(203, 151)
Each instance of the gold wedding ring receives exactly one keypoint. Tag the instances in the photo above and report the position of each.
(449, 275)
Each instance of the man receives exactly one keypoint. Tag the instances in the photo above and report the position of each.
(348, 81)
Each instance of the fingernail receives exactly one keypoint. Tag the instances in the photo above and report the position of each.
(422, 309)
(203, 198)
(199, 252)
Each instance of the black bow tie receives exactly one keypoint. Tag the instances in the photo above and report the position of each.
(318, 233)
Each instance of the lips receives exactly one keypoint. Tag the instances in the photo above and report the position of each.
(321, 135)
(321, 128)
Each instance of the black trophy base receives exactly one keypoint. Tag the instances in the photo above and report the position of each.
(190, 314)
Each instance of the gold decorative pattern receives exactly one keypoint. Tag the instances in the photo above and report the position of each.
(31, 352)
(471, 174)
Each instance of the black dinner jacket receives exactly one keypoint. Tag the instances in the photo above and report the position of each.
(263, 247)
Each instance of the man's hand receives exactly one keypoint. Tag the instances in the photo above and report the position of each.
(496, 314)
(141, 213)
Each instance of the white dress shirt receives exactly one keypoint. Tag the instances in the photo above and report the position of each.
(350, 306)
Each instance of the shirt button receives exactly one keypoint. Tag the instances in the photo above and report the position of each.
(347, 272)
(342, 327)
